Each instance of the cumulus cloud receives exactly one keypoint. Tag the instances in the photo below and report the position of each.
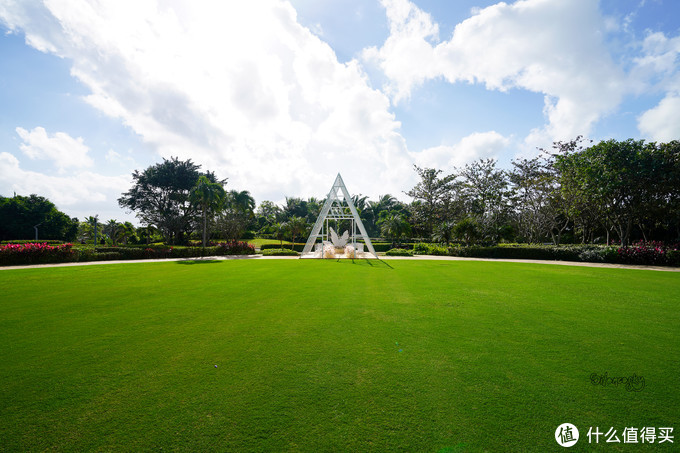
(240, 87)
(662, 123)
(478, 145)
(62, 149)
(550, 47)
(659, 64)
(81, 194)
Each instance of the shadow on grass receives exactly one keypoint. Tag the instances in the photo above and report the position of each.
(197, 261)
(378, 264)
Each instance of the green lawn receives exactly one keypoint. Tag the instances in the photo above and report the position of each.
(306, 355)
(258, 242)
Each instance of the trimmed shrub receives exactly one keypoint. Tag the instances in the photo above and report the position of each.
(279, 252)
(297, 246)
(422, 248)
(32, 241)
(399, 252)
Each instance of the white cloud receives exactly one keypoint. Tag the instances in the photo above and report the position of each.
(550, 47)
(240, 87)
(64, 150)
(406, 57)
(81, 194)
(659, 67)
(662, 123)
(478, 145)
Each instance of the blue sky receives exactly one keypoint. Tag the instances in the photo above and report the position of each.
(280, 96)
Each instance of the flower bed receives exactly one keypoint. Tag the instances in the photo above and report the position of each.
(36, 253)
(42, 253)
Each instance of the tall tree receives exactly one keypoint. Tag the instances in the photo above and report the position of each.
(208, 196)
(160, 197)
(433, 199)
(487, 196)
(534, 187)
(236, 214)
(616, 178)
(19, 215)
(296, 227)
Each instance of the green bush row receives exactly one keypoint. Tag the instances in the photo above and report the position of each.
(378, 246)
(279, 252)
(399, 252)
(298, 246)
(31, 241)
(636, 254)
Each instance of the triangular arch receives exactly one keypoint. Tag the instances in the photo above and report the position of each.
(338, 206)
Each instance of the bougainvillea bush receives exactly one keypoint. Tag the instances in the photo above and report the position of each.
(651, 252)
(42, 253)
(36, 253)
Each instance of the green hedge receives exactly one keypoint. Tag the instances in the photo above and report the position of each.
(279, 252)
(298, 246)
(378, 246)
(646, 254)
(31, 241)
(399, 252)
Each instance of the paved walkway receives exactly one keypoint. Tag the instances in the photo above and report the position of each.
(386, 258)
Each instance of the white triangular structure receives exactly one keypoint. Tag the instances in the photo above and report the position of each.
(338, 206)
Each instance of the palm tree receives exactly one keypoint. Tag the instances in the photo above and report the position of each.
(394, 226)
(207, 196)
(279, 231)
(444, 232)
(127, 231)
(237, 214)
(296, 227)
(242, 201)
(112, 229)
(146, 232)
(92, 221)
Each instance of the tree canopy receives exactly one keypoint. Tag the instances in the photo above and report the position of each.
(20, 214)
(160, 196)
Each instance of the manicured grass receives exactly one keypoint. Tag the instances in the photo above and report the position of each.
(258, 242)
(333, 355)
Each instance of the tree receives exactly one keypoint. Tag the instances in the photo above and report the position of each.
(295, 207)
(236, 214)
(616, 180)
(160, 197)
(19, 215)
(279, 231)
(434, 199)
(208, 196)
(394, 226)
(486, 197)
(127, 232)
(112, 229)
(466, 230)
(444, 232)
(535, 189)
(296, 227)
(269, 210)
